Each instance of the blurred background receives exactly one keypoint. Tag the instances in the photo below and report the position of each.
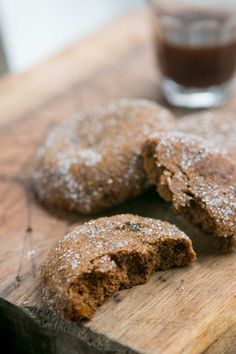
(31, 31)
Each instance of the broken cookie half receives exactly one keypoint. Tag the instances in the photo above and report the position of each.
(106, 255)
(199, 180)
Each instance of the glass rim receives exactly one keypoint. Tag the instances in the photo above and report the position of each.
(172, 5)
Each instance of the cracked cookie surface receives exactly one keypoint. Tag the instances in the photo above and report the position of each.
(217, 127)
(198, 180)
(109, 254)
(93, 161)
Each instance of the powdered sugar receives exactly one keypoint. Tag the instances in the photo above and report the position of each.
(90, 157)
(200, 179)
(92, 161)
(108, 254)
(96, 239)
(218, 127)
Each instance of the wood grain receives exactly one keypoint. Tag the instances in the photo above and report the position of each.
(21, 94)
(186, 310)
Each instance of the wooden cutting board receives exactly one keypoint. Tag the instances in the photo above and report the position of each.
(187, 310)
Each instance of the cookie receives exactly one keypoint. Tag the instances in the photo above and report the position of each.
(197, 179)
(218, 127)
(93, 161)
(109, 254)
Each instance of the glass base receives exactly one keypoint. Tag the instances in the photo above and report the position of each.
(180, 96)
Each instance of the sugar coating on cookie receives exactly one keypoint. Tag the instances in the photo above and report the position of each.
(198, 179)
(106, 255)
(217, 127)
(93, 161)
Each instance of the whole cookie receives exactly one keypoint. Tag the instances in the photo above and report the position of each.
(106, 255)
(93, 161)
(198, 180)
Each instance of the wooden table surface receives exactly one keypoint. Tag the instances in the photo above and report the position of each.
(188, 310)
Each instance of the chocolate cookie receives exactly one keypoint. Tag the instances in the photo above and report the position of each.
(93, 161)
(106, 255)
(198, 180)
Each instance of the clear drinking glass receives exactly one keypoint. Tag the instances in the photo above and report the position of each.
(195, 43)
